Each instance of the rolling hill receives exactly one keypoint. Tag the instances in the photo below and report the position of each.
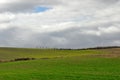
(55, 64)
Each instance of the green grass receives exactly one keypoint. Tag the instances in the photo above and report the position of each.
(73, 65)
(12, 53)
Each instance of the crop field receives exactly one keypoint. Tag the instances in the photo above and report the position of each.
(51, 64)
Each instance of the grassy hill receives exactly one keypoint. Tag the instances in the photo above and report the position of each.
(12, 53)
(50, 64)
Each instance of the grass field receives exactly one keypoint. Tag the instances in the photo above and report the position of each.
(53, 64)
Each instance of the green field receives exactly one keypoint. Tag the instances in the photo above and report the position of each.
(53, 64)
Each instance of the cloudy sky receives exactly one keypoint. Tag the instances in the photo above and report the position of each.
(59, 23)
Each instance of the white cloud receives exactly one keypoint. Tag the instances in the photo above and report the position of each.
(67, 24)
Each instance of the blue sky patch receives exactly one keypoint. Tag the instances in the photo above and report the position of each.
(41, 9)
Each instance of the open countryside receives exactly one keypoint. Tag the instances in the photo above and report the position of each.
(55, 64)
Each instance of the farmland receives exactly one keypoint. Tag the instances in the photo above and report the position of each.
(51, 64)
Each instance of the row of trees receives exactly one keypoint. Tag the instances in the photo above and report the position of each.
(105, 47)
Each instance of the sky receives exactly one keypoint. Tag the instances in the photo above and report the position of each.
(59, 23)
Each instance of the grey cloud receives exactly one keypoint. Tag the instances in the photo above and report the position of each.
(26, 5)
(69, 38)
(7, 36)
(73, 38)
(108, 1)
(70, 24)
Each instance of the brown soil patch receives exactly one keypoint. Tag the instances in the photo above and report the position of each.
(108, 53)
